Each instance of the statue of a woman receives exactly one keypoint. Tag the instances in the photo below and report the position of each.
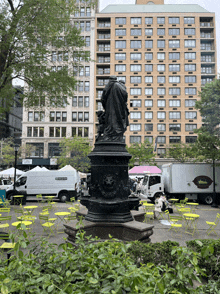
(114, 101)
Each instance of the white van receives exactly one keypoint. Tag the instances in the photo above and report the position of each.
(5, 183)
(61, 184)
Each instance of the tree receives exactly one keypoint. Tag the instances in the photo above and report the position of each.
(29, 31)
(141, 153)
(74, 151)
(209, 107)
(182, 152)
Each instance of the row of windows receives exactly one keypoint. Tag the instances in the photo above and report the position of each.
(81, 71)
(80, 101)
(83, 86)
(80, 132)
(149, 20)
(160, 67)
(162, 91)
(80, 116)
(162, 127)
(137, 44)
(162, 115)
(162, 55)
(83, 25)
(172, 139)
(160, 32)
(162, 79)
(162, 103)
(83, 12)
(57, 131)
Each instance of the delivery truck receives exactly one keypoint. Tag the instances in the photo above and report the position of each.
(61, 184)
(180, 180)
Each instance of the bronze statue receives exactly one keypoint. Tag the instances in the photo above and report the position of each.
(114, 101)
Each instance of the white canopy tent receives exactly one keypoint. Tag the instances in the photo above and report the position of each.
(67, 167)
(10, 173)
(38, 168)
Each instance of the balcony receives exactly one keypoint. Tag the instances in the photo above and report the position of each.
(104, 48)
(207, 70)
(205, 35)
(206, 24)
(206, 81)
(104, 36)
(103, 59)
(207, 59)
(104, 24)
(207, 47)
(102, 82)
(103, 71)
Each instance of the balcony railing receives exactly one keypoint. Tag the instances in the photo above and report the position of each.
(208, 71)
(206, 24)
(104, 71)
(206, 81)
(104, 60)
(104, 24)
(207, 47)
(104, 49)
(207, 59)
(104, 36)
(206, 35)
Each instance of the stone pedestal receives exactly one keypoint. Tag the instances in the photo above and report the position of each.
(108, 199)
(129, 231)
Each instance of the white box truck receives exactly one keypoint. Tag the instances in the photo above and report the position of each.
(61, 184)
(194, 181)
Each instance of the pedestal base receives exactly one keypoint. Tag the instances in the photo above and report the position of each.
(129, 231)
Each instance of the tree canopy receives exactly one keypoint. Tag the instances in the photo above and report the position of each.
(74, 151)
(142, 153)
(182, 152)
(209, 106)
(30, 30)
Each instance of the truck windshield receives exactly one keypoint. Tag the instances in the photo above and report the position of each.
(154, 180)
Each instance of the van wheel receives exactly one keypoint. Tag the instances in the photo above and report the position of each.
(10, 196)
(64, 196)
(207, 199)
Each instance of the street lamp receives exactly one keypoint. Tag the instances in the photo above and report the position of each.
(16, 148)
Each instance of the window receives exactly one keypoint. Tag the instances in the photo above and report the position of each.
(135, 56)
(148, 91)
(148, 32)
(135, 139)
(135, 79)
(135, 115)
(82, 11)
(88, 26)
(174, 127)
(148, 103)
(190, 91)
(80, 116)
(148, 20)
(161, 103)
(30, 116)
(148, 115)
(161, 114)
(87, 41)
(174, 32)
(174, 20)
(174, 67)
(74, 116)
(190, 127)
(80, 101)
(86, 116)
(161, 91)
(136, 20)
(86, 86)
(135, 127)
(29, 131)
(41, 131)
(86, 101)
(149, 79)
(135, 67)
(161, 127)
(161, 20)
(35, 132)
(174, 103)
(191, 139)
(190, 103)
(148, 139)
(174, 91)
(161, 79)
(82, 26)
(120, 56)
(161, 56)
(175, 139)
(54, 56)
(120, 44)
(190, 115)
(160, 32)
(135, 32)
(148, 56)
(81, 71)
(148, 127)
(190, 79)
(135, 103)
(149, 44)
(174, 115)
(148, 67)
(190, 43)
(174, 43)
(135, 44)
(120, 67)
(51, 131)
(87, 71)
(120, 32)
(161, 139)
(88, 11)
(190, 67)
(160, 43)
(120, 20)
(189, 20)
(174, 55)
(190, 55)
(189, 31)
(161, 67)
(174, 79)
(135, 91)
(121, 78)
(86, 132)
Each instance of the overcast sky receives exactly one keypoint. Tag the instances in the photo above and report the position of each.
(210, 5)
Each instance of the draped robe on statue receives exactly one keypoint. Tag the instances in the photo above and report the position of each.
(114, 102)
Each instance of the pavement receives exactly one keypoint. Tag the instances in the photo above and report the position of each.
(160, 231)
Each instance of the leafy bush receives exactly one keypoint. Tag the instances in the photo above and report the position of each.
(209, 256)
